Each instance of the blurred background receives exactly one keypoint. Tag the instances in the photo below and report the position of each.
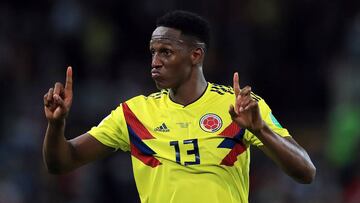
(301, 56)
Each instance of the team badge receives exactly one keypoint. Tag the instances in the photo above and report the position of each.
(210, 122)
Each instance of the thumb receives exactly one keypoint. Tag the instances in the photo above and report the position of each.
(232, 111)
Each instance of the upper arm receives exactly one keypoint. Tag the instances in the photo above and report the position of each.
(85, 148)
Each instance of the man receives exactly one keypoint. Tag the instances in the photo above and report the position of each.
(190, 141)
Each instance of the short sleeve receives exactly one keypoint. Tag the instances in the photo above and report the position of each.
(112, 130)
(270, 120)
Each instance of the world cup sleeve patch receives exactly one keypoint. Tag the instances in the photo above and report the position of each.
(210, 122)
(275, 121)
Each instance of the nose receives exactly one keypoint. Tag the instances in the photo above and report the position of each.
(155, 61)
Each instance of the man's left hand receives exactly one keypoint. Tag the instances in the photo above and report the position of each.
(246, 112)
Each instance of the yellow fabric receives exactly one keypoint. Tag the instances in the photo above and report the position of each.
(199, 176)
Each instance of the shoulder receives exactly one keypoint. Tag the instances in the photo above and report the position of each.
(158, 95)
(264, 107)
(224, 91)
(153, 97)
(256, 97)
(228, 90)
(221, 89)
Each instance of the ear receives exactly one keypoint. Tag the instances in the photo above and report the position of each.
(197, 56)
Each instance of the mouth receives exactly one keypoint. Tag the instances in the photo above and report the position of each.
(155, 73)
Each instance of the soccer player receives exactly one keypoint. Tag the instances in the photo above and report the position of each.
(190, 142)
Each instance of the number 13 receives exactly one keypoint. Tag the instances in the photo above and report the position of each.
(194, 151)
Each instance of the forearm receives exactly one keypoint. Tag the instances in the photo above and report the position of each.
(57, 150)
(287, 154)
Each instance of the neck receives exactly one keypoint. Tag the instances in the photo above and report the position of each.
(190, 90)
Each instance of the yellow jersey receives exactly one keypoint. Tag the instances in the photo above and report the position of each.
(185, 154)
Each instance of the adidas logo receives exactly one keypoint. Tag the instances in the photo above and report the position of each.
(162, 128)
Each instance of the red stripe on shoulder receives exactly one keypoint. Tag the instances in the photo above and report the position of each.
(135, 124)
(230, 131)
(233, 139)
(231, 157)
(146, 159)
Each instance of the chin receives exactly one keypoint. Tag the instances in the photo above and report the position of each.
(160, 86)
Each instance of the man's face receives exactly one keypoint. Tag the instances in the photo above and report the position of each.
(171, 58)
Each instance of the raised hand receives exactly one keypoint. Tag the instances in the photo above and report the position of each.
(58, 100)
(245, 113)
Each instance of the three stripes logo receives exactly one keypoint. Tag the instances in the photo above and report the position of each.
(162, 128)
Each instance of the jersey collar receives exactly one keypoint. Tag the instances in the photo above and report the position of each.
(195, 103)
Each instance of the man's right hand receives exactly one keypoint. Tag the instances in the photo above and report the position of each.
(58, 100)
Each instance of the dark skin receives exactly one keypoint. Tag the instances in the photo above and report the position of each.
(61, 155)
(176, 65)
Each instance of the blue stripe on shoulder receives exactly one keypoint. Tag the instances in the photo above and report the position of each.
(135, 139)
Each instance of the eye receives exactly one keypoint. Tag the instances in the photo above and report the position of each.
(152, 51)
(166, 52)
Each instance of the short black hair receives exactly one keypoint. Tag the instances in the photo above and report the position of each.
(188, 23)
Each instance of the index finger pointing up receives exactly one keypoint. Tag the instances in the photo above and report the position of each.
(69, 81)
(236, 85)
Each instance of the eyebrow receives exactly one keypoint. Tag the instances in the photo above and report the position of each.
(166, 41)
(162, 37)
(194, 42)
